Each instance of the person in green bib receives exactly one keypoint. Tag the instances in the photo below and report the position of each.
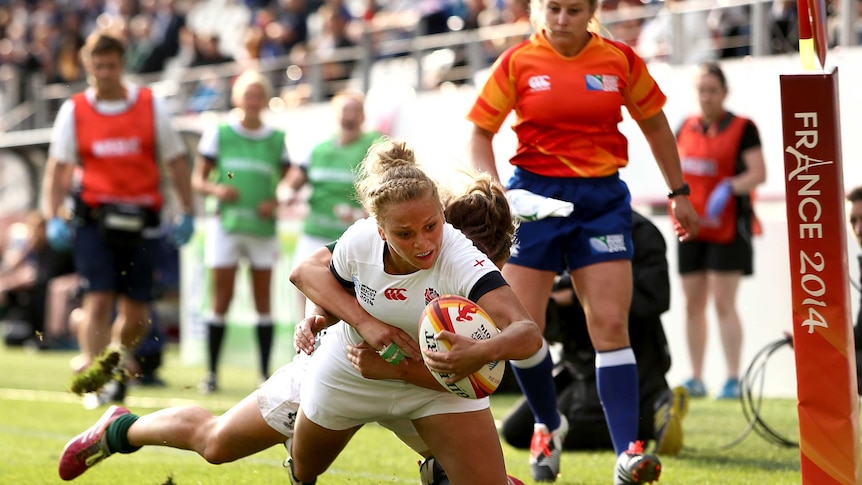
(240, 164)
(329, 172)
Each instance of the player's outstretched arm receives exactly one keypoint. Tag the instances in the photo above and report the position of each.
(519, 336)
(314, 279)
(371, 366)
(306, 330)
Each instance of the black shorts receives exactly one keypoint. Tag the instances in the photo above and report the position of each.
(105, 267)
(738, 255)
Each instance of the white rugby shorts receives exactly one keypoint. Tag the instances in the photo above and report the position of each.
(278, 396)
(224, 250)
(278, 400)
(334, 395)
(306, 245)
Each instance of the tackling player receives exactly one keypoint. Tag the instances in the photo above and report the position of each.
(266, 417)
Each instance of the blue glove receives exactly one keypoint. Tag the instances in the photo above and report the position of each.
(183, 229)
(718, 199)
(59, 235)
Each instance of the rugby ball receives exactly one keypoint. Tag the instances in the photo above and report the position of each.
(463, 317)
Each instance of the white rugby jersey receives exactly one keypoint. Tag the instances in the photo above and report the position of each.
(399, 299)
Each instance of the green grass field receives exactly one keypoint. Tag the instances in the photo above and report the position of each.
(37, 417)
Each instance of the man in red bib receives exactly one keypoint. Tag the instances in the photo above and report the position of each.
(110, 139)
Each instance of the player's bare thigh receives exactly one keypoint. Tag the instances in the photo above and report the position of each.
(244, 429)
(314, 447)
(462, 441)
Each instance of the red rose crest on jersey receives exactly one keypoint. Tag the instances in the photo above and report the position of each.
(430, 294)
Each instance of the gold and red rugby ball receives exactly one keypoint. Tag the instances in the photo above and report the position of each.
(462, 317)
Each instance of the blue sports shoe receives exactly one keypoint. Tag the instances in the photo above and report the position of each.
(730, 389)
(694, 387)
(635, 467)
(545, 450)
(432, 473)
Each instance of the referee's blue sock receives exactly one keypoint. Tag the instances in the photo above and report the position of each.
(535, 376)
(617, 381)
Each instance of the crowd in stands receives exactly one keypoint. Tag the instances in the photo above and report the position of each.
(43, 37)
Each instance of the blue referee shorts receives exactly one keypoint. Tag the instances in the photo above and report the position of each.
(598, 230)
(128, 271)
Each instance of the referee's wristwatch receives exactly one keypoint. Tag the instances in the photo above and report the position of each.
(683, 189)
